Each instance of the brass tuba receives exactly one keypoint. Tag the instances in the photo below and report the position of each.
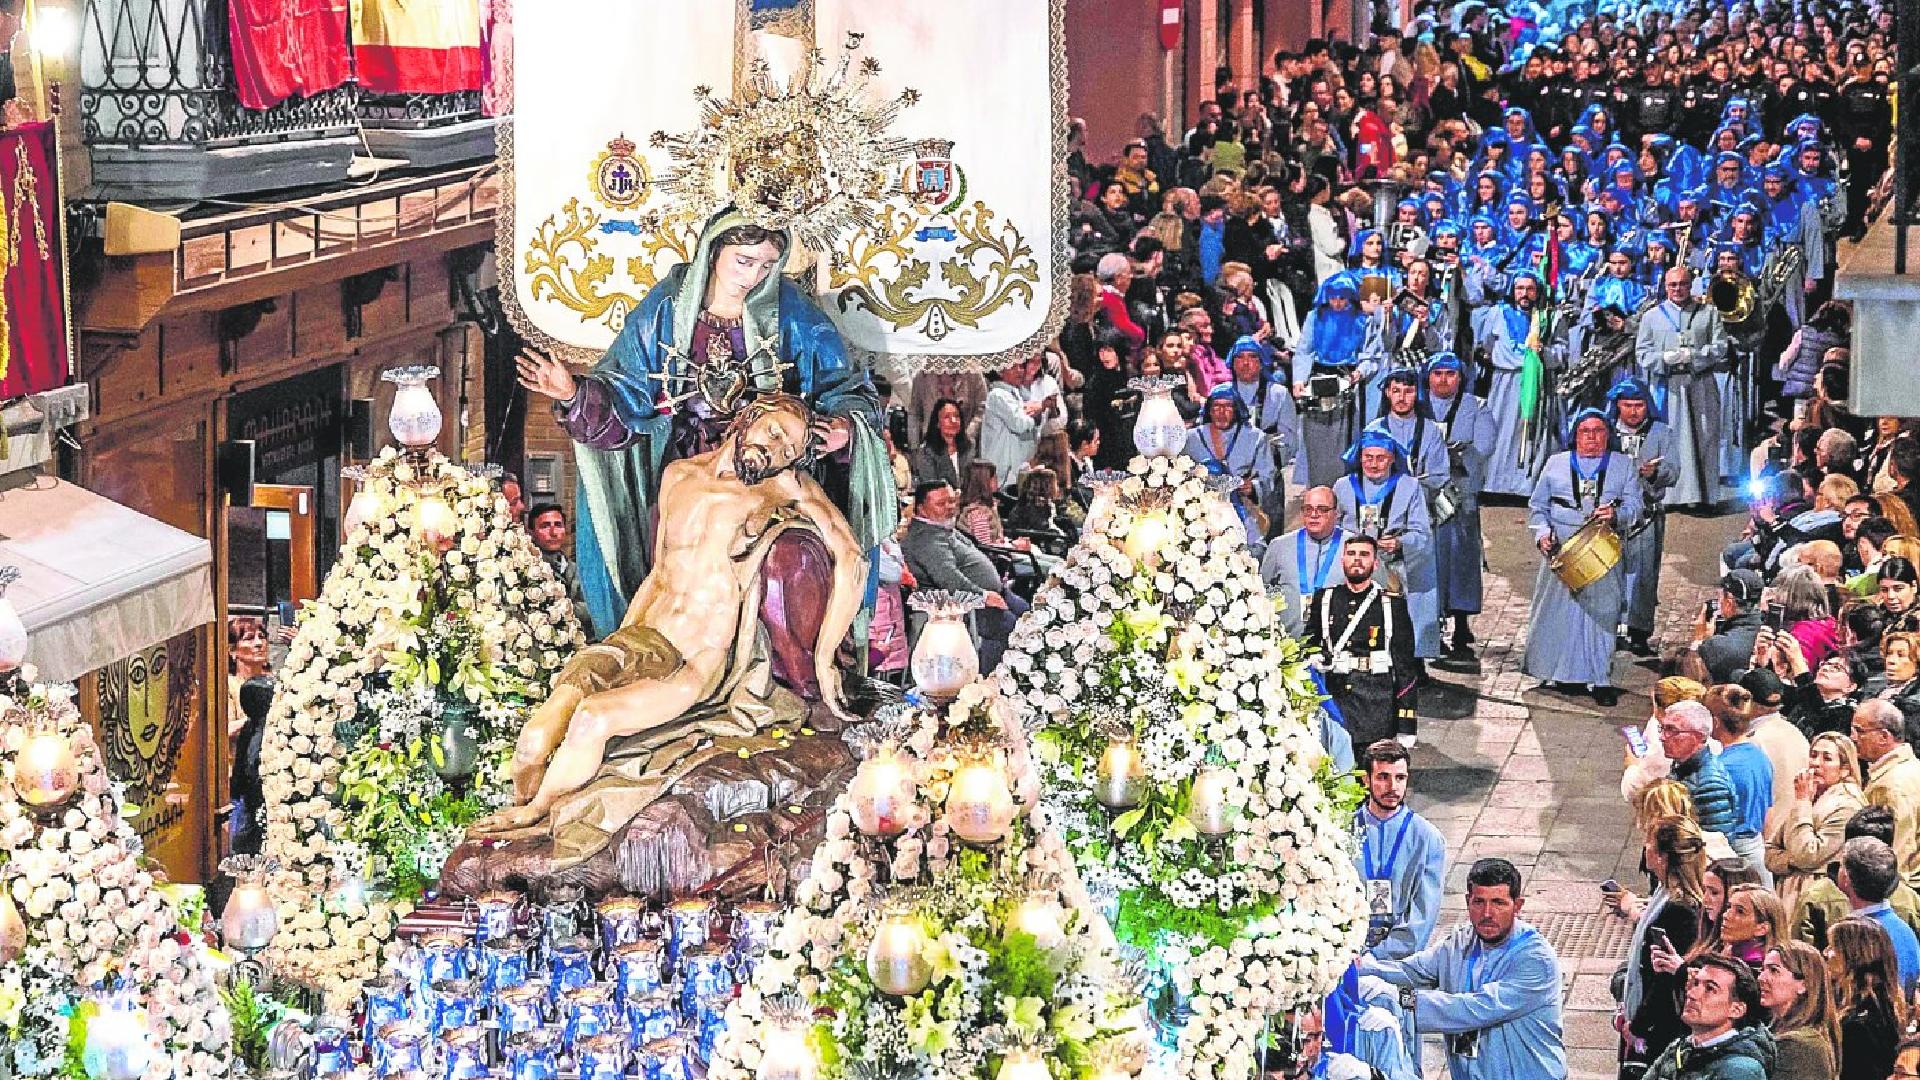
(1737, 298)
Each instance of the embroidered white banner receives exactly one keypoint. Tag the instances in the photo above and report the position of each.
(968, 265)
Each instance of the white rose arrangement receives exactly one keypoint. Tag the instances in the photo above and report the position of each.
(1053, 984)
(94, 916)
(404, 625)
(1156, 629)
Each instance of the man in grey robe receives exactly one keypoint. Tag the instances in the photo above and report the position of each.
(1467, 426)
(1380, 500)
(1302, 561)
(1681, 344)
(1649, 442)
(1503, 329)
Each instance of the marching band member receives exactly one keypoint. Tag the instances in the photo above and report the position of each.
(1680, 344)
(1468, 428)
(1380, 499)
(1648, 441)
(1571, 636)
(1617, 287)
(1506, 330)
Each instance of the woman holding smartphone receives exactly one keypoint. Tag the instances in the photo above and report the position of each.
(1666, 926)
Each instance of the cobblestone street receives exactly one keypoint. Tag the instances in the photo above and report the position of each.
(1506, 769)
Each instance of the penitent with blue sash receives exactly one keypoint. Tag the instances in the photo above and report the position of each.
(1377, 869)
(1329, 554)
(1404, 861)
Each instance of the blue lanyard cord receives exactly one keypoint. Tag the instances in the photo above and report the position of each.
(1327, 557)
(1579, 476)
(1360, 491)
(1599, 469)
(1374, 870)
(1479, 947)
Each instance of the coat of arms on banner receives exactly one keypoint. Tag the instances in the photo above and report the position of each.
(620, 177)
(956, 255)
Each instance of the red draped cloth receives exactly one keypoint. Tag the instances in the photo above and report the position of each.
(407, 47)
(284, 48)
(36, 315)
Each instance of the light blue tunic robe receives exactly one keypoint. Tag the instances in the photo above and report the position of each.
(1370, 1027)
(1427, 461)
(1509, 993)
(1641, 552)
(1570, 638)
(1403, 511)
(1271, 409)
(1457, 552)
(1408, 853)
(1245, 456)
(1502, 330)
(1406, 850)
(1298, 566)
(1336, 742)
(1678, 351)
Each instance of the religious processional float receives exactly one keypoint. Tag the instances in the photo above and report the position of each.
(107, 975)
(944, 931)
(1180, 756)
(409, 678)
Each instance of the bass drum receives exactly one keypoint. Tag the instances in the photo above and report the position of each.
(1587, 556)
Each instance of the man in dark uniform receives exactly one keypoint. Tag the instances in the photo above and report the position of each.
(1364, 639)
(1657, 101)
(1866, 125)
(1701, 105)
(1590, 87)
(1554, 113)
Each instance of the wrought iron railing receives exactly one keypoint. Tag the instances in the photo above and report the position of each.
(160, 73)
(418, 110)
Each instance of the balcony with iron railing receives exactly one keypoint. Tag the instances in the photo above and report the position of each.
(162, 121)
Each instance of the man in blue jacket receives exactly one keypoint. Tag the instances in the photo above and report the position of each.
(1683, 738)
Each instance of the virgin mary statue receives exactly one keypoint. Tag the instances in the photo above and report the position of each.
(712, 334)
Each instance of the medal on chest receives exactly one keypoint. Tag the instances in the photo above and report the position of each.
(1587, 488)
(1632, 444)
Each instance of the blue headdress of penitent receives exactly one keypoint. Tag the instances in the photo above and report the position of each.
(1630, 387)
(1251, 344)
(1374, 438)
(1225, 392)
(1581, 417)
(1338, 335)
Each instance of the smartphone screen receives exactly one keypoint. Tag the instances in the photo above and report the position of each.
(1659, 937)
(1636, 740)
